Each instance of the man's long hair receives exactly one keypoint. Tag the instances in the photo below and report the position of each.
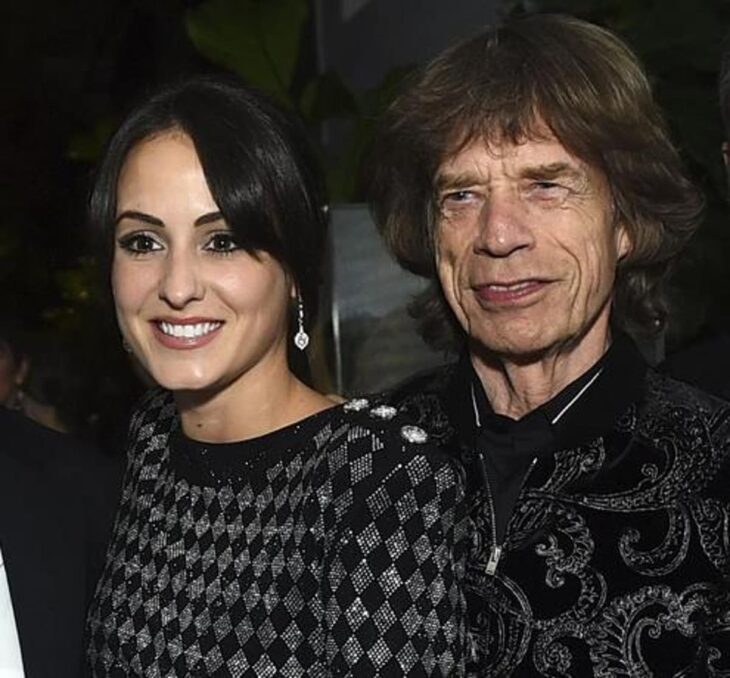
(503, 86)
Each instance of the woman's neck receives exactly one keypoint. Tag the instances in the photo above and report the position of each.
(266, 398)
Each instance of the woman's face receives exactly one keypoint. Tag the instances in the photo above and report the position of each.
(198, 312)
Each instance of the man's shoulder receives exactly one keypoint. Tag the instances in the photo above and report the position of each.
(693, 427)
(681, 402)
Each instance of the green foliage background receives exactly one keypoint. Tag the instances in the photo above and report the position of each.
(75, 67)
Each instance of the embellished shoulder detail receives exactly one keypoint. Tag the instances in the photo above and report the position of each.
(421, 401)
(371, 438)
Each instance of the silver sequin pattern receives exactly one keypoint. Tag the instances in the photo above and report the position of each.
(348, 561)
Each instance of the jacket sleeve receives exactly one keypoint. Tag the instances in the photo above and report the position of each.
(394, 603)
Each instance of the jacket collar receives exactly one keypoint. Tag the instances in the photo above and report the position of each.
(618, 382)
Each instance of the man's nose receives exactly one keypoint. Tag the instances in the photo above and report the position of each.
(503, 226)
(181, 281)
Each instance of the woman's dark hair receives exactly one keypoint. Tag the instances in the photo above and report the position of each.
(257, 160)
(503, 86)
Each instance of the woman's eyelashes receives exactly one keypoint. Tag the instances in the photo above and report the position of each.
(221, 242)
(139, 242)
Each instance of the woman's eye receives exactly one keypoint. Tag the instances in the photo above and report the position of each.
(221, 242)
(139, 243)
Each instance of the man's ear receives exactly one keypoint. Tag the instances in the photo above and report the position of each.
(623, 241)
(726, 153)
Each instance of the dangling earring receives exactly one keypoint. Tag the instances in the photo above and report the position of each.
(126, 346)
(301, 338)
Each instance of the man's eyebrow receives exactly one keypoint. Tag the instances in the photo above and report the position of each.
(139, 216)
(447, 180)
(552, 170)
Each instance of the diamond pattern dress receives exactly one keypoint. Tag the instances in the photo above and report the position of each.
(333, 547)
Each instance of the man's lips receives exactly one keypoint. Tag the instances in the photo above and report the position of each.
(185, 333)
(509, 292)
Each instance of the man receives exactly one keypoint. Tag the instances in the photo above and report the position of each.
(56, 504)
(528, 173)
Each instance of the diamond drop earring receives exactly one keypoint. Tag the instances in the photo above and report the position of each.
(301, 338)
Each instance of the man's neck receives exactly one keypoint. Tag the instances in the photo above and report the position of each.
(514, 388)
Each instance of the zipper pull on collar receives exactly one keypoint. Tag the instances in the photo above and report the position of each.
(494, 556)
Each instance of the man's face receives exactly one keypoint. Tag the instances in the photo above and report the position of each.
(526, 246)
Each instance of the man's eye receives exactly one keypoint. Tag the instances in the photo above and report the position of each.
(139, 243)
(221, 242)
(547, 190)
(547, 187)
(458, 196)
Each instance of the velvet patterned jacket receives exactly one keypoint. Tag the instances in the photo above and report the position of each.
(616, 557)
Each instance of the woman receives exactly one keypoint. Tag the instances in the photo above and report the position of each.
(263, 530)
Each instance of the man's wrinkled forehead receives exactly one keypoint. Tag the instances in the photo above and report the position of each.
(540, 155)
(497, 134)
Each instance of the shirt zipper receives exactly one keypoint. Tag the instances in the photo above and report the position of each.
(495, 553)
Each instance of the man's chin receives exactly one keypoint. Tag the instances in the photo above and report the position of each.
(518, 348)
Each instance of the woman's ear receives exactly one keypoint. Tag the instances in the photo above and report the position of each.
(292, 283)
(21, 373)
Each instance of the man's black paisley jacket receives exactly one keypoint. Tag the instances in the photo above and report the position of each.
(617, 556)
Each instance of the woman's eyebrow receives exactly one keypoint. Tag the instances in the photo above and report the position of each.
(139, 216)
(208, 218)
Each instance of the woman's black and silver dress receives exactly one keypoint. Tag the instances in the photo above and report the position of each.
(332, 547)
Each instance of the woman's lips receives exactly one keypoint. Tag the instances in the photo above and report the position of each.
(509, 293)
(185, 335)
